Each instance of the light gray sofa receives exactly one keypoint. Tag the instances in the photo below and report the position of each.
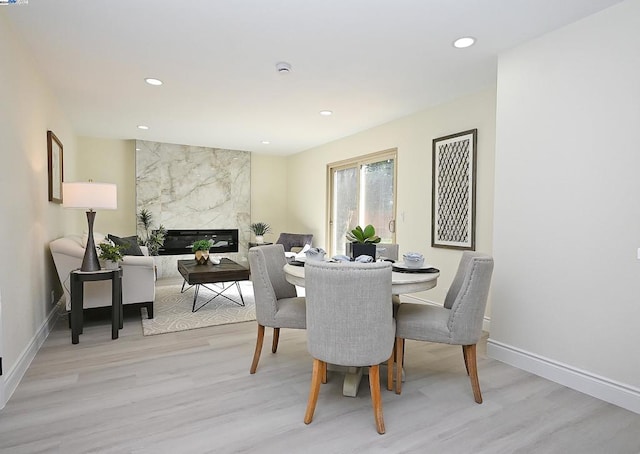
(138, 275)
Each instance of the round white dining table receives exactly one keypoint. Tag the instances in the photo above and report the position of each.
(400, 283)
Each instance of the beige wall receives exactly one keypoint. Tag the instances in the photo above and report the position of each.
(111, 161)
(412, 136)
(268, 193)
(28, 221)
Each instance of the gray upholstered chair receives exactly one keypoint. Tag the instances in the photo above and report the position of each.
(349, 323)
(294, 242)
(458, 322)
(277, 303)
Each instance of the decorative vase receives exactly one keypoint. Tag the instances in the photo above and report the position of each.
(259, 239)
(202, 257)
(110, 265)
(358, 249)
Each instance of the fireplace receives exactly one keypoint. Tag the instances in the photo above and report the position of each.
(179, 242)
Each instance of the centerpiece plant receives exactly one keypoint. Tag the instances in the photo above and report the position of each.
(363, 241)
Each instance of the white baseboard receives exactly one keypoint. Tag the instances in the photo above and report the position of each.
(13, 377)
(602, 388)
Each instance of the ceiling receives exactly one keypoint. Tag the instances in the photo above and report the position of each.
(368, 61)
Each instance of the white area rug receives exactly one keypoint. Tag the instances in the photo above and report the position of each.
(172, 309)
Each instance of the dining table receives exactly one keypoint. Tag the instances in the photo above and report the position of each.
(403, 281)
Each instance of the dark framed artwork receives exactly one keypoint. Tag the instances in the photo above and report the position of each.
(453, 204)
(54, 151)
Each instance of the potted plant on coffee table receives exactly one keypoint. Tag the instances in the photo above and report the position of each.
(111, 254)
(363, 241)
(260, 229)
(201, 250)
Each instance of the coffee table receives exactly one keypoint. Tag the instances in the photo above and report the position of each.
(200, 275)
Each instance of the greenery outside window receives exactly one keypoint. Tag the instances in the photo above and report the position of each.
(362, 191)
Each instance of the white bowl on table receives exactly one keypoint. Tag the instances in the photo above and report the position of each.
(413, 260)
(315, 254)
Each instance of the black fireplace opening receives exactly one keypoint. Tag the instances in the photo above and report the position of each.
(178, 242)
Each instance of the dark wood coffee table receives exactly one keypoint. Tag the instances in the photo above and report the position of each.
(200, 275)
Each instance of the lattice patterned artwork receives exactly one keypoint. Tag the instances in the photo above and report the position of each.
(453, 202)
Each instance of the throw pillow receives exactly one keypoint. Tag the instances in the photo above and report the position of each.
(129, 244)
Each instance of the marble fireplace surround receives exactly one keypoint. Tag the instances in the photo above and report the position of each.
(188, 187)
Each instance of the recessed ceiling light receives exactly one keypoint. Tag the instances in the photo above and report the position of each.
(265, 142)
(152, 81)
(143, 127)
(137, 149)
(461, 43)
(326, 113)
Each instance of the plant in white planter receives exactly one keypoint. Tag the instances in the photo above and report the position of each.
(111, 254)
(260, 229)
(152, 239)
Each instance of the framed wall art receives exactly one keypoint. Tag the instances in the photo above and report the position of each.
(54, 151)
(453, 205)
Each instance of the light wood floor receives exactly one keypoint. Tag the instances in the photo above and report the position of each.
(191, 392)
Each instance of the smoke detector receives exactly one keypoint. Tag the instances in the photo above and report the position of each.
(283, 67)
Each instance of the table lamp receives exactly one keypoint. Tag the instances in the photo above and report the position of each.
(90, 196)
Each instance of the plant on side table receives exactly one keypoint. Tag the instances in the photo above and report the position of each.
(111, 254)
(201, 250)
(363, 241)
(260, 229)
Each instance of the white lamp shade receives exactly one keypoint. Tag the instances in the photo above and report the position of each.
(90, 196)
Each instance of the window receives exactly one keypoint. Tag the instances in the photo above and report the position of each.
(362, 191)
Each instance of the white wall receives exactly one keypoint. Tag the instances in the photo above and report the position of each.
(27, 220)
(412, 136)
(566, 287)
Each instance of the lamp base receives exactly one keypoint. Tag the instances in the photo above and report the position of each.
(90, 260)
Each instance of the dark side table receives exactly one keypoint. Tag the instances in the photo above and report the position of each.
(78, 278)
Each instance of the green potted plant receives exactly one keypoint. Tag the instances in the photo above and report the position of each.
(152, 239)
(260, 229)
(111, 254)
(201, 250)
(363, 241)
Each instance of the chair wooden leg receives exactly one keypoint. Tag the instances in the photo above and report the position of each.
(399, 363)
(316, 378)
(374, 385)
(324, 372)
(466, 359)
(256, 354)
(390, 362)
(276, 336)
(470, 357)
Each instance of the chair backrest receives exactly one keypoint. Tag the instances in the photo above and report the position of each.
(266, 264)
(467, 297)
(387, 250)
(290, 240)
(349, 312)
